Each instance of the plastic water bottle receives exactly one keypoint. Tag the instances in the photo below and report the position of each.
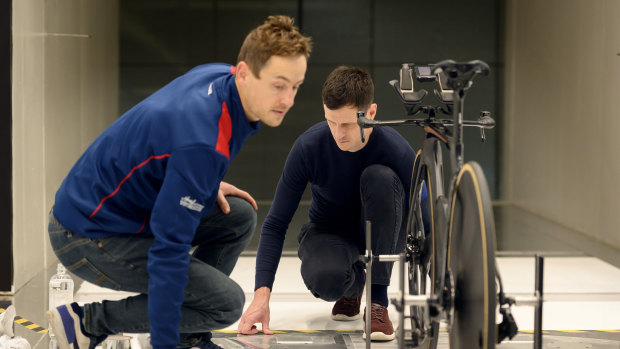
(60, 292)
(61, 288)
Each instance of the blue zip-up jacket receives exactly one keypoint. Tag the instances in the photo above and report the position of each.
(156, 172)
(334, 177)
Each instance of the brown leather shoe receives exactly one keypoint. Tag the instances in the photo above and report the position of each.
(381, 328)
(347, 309)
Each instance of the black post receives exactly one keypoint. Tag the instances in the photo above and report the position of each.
(6, 202)
(538, 308)
(368, 281)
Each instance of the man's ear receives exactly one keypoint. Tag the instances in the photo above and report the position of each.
(372, 111)
(242, 70)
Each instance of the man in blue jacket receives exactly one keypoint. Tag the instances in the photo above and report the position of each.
(144, 194)
(351, 181)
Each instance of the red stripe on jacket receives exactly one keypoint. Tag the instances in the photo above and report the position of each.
(143, 224)
(156, 157)
(224, 133)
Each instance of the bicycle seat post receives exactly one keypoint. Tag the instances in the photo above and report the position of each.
(459, 78)
(457, 148)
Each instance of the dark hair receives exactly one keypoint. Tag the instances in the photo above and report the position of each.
(348, 86)
(276, 37)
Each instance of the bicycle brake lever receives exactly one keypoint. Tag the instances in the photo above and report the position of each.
(485, 120)
(360, 115)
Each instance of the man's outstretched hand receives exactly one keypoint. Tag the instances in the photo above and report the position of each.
(257, 312)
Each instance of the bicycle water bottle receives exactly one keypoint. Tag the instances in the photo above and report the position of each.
(60, 292)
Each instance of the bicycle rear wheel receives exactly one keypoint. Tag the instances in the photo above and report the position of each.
(471, 259)
(416, 252)
(422, 239)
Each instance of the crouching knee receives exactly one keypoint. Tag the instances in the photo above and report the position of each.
(328, 285)
(244, 215)
(229, 309)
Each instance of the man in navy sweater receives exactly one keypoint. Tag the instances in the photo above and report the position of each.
(145, 191)
(351, 181)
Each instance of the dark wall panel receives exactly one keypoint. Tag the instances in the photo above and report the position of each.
(340, 29)
(431, 30)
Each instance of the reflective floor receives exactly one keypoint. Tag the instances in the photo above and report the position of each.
(582, 297)
(350, 340)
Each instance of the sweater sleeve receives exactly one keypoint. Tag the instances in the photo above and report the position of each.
(188, 192)
(290, 188)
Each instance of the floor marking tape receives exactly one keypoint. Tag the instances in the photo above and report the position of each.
(27, 323)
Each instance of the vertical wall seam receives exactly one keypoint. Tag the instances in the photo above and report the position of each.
(6, 148)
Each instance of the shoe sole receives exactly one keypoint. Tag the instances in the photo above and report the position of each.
(380, 336)
(343, 317)
(56, 323)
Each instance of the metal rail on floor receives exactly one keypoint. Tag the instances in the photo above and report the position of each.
(404, 300)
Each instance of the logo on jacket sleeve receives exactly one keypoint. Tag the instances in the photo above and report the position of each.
(186, 201)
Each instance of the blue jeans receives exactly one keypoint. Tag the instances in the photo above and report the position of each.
(212, 300)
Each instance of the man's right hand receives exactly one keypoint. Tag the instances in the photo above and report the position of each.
(258, 311)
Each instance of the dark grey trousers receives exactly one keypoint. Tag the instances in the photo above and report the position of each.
(330, 265)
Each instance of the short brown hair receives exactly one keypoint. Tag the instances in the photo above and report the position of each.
(348, 86)
(276, 37)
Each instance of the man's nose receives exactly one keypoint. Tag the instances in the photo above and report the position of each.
(288, 99)
(340, 131)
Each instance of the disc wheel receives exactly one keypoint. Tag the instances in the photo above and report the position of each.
(471, 259)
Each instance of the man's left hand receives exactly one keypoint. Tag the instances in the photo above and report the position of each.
(229, 189)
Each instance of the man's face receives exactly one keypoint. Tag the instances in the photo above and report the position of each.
(342, 123)
(270, 95)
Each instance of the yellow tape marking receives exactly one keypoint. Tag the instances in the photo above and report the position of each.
(573, 331)
(31, 326)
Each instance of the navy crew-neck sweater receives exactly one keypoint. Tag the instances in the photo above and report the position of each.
(334, 177)
(156, 172)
